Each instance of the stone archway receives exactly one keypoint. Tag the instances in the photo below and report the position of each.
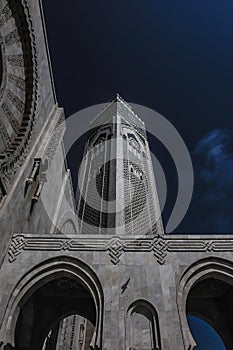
(55, 289)
(206, 291)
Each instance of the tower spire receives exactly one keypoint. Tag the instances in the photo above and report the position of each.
(118, 194)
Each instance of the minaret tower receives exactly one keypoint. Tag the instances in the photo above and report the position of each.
(118, 192)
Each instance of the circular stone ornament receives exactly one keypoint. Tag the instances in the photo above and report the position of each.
(18, 85)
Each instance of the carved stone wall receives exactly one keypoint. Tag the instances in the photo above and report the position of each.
(18, 86)
(31, 125)
(135, 281)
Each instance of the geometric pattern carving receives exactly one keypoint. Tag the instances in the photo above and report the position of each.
(12, 37)
(17, 245)
(19, 86)
(115, 246)
(16, 60)
(159, 247)
(16, 101)
(57, 135)
(5, 15)
(4, 135)
(10, 116)
(18, 81)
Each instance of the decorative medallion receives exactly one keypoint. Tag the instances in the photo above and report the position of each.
(18, 85)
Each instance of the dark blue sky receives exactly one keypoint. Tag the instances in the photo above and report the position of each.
(172, 56)
(204, 335)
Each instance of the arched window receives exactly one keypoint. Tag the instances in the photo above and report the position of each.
(142, 327)
(101, 138)
(68, 227)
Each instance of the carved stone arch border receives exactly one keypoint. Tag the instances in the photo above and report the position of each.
(43, 273)
(151, 310)
(67, 216)
(202, 269)
(19, 86)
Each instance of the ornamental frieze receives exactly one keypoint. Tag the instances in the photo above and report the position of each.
(159, 246)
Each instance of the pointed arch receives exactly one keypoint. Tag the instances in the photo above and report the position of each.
(44, 273)
(202, 271)
(67, 223)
